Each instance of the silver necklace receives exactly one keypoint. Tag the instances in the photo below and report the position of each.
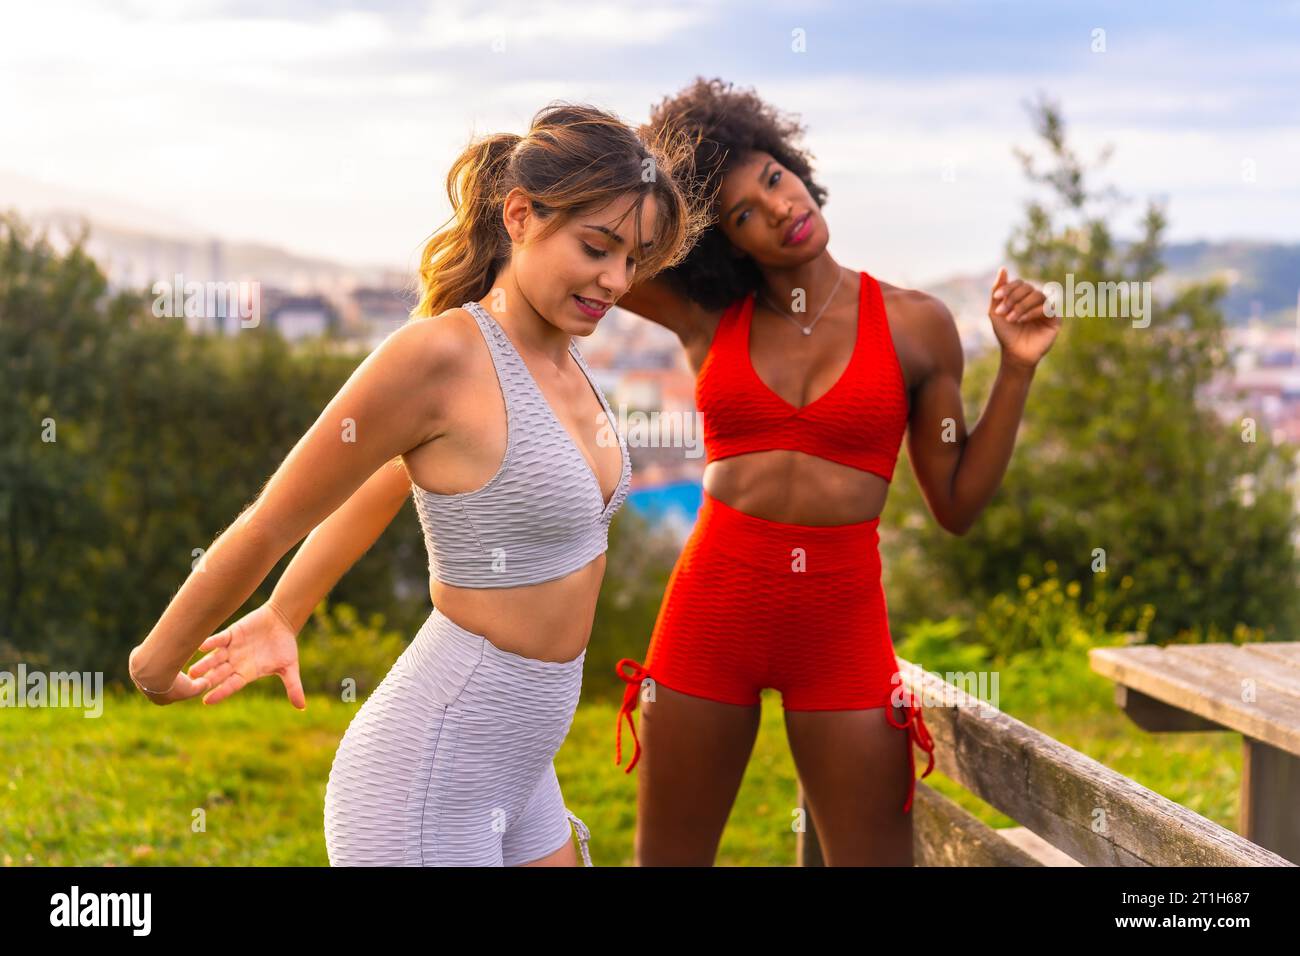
(805, 329)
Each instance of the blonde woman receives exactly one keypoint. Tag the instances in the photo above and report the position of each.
(486, 412)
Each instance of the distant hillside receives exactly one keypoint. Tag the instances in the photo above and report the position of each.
(136, 245)
(1263, 283)
(1264, 276)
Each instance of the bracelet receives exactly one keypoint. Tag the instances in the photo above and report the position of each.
(146, 689)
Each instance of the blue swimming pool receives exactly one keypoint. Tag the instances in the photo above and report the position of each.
(677, 502)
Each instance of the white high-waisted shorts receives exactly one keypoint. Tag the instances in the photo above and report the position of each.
(450, 761)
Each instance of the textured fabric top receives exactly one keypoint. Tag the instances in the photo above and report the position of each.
(860, 422)
(543, 514)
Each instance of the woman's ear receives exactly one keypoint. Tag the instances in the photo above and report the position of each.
(515, 213)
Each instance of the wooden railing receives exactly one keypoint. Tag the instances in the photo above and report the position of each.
(1071, 809)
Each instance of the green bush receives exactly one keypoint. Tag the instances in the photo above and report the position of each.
(127, 444)
(1048, 617)
(1122, 466)
(336, 645)
(1036, 641)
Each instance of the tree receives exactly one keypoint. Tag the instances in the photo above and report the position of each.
(127, 444)
(1119, 458)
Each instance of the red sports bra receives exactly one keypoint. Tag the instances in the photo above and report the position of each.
(860, 422)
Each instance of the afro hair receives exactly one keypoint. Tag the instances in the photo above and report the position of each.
(726, 125)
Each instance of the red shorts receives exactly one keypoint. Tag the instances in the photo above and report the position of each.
(754, 603)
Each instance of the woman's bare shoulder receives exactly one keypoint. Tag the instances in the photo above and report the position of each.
(914, 304)
(924, 331)
(447, 343)
(444, 356)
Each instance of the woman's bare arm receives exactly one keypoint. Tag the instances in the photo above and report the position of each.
(391, 403)
(657, 300)
(959, 473)
(338, 542)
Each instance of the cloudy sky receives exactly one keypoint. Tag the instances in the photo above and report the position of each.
(328, 128)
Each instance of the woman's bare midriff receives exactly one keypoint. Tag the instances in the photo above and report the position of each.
(791, 486)
(796, 488)
(550, 621)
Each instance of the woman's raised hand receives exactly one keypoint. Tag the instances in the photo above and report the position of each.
(1022, 325)
(262, 642)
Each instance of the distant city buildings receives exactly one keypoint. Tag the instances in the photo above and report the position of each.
(379, 311)
(1264, 383)
(299, 317)
(298, 298)
(638, 364)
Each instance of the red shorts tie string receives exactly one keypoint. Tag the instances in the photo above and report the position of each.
(630, 693)
(918, 734)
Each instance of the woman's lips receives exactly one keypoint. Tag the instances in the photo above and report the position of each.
(592, 307)
(798, 230)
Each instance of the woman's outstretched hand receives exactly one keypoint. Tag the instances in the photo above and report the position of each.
(1020, 323)
(182, 688)
(262, 642)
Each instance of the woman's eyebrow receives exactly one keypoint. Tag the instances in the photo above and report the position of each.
(762, 174)
(615, 236)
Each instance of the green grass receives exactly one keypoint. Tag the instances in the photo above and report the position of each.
(243, 783)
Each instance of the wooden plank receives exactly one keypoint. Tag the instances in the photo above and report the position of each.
(1283, 652)
(1273, 716)
(1273, 672)
(1270, 798)
(1155, 716)
(1090, 812)
(1212, 691)
(1043, 852)
(945, 834)
(1263, 691)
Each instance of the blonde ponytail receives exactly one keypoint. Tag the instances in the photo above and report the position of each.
(573, 158)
